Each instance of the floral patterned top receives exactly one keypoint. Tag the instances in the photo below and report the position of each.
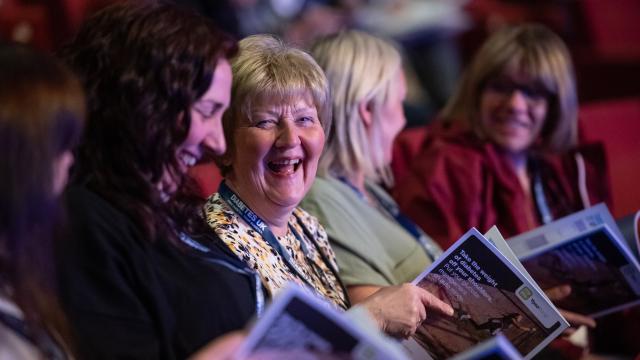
(256, 252)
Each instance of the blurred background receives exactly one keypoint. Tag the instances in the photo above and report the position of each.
(438, 37)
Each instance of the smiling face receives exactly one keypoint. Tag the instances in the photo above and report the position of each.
(513, 109)
(205, 137)
(275, 154)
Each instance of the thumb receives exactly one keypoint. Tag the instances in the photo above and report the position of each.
(433, 303)
(558, 292)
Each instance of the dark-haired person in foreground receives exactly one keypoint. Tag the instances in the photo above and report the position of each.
(143, 278)
(41, 115)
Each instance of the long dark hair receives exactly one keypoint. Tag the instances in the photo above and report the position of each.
(41, 115)
(143, 65)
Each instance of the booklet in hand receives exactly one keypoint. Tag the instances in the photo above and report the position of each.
(496, 348)
(298, 325)
(490, 296)
(630, 229)
(586, 251)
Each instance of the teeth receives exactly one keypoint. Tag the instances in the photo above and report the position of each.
(287, 162)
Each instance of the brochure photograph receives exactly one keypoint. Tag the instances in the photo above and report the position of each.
(496, 348)
(490, 296)
(588, 251)
(603, 275)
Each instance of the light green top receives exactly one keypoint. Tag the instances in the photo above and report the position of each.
(370, 245)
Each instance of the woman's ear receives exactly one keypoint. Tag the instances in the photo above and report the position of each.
(365, 109)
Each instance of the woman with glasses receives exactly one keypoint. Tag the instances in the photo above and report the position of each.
(504, 151)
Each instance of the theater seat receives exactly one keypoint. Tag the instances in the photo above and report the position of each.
(617, 124)
(208, 178)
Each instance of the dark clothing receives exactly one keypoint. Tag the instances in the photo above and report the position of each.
(458, 181)
(128, 297)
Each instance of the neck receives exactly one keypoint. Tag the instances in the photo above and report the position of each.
(519, 163)
(276, 217)
(357, 180)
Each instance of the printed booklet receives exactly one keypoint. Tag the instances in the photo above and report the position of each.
(298, 325)
(630, 229)
(587, 251)
(490, 296)
(496, 348)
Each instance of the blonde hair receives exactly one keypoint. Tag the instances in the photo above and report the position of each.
(540, 54)
(268, 69)
(360, 68)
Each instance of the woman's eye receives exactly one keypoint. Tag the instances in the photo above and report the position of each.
(306, 119)
(265, 124)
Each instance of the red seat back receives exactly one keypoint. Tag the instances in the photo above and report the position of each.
(617, 124)
(208, 178)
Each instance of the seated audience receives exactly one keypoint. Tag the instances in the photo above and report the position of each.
(143, 277)
(41, 115)
(375, 244)
(504, 151)
(275, 128)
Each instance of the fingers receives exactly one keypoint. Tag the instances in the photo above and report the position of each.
(576, 319)
(433, 303)
(558, 292)
(222, 348)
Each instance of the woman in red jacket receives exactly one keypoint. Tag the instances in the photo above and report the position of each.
(505, 149)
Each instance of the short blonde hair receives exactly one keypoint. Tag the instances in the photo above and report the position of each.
(360, 67)
(267, 69)
(540, 54)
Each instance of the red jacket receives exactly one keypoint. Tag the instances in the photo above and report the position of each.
(457, 182)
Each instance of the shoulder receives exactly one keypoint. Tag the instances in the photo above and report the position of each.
(97, 224)
(328, 193)
(219, 215)
(456, 148)
(310, 222)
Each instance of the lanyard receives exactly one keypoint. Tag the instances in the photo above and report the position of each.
(540, 198)
(258, 225)
(392, 209)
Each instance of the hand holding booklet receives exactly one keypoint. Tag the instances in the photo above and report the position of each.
(298, 325)
(587, 251)
(490, 295)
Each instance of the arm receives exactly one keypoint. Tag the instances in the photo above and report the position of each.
(359, 293)
(575, 320)
(102, 286)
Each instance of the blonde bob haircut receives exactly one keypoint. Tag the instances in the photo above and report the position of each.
(266, 70)
(537, 52)
(360, 68)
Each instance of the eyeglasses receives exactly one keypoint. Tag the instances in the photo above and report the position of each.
(533, 92)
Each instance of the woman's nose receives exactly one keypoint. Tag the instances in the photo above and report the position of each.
(214, 140)
(517, 100)
(288, 135)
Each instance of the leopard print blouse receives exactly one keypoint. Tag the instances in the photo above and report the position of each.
(256, 252)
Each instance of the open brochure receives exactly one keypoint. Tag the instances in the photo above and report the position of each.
(496, 348)
(630, 229)
(490, 296)
(585, 250)
(298, 325)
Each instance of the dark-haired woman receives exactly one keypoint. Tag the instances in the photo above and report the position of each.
(41, 116)
(143, 276)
